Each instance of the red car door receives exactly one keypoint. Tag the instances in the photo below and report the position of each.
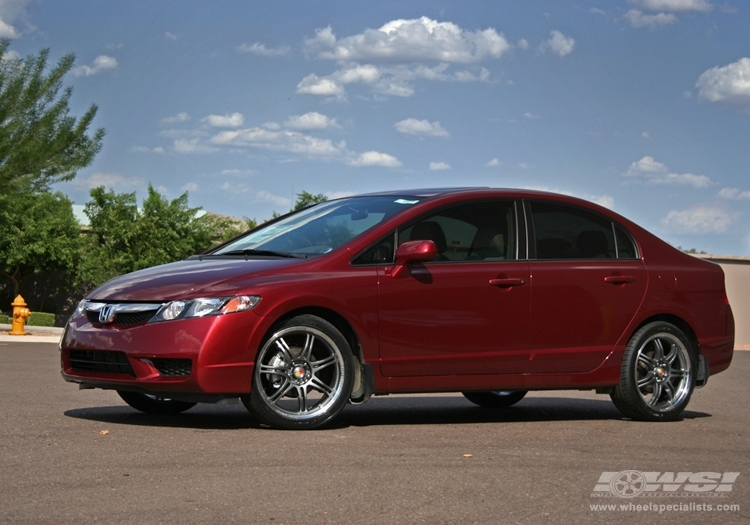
(467, 312)
(587, 285)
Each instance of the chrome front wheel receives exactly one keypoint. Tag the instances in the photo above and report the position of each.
(303, 375)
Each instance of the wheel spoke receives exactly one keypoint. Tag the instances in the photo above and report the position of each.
(302, 397)
(282, 391)
(307, 350)
(272, 370)
(656, 395)
(678, 373)
(645, 381)
(285, 350)
(320, 386)
(323, 363)
(646, 361)
(668, 391)
(658, 350)
(672, 355)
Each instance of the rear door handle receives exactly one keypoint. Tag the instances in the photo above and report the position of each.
(619, 279)
(507, 282)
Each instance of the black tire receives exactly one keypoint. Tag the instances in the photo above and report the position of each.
(496, 399)
(304, 374)
(152, 404)
(658, 374)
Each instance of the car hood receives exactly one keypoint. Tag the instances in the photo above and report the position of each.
(190, 278)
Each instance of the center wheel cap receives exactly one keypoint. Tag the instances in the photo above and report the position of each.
(299, 372)
(660, 372)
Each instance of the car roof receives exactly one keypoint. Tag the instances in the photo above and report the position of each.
(476, 190)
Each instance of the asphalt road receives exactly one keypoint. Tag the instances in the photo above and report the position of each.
(70, 456)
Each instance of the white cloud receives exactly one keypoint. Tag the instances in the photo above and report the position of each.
(7, 30)
(522, 44)
(10, 55)
(386, 80)
(647, 165)
(559, 44)
(375, 158)
(530, 115)
(191, 186)
(410, 40)
(638, 19)
(235, 188)
(339, 194)
(237, 172)
(144, 149)
(260, 49)
(728, 85)
(314, 85)
(734, 194)
(187, 146)
(699, 219)
(235, 120)
(493, 163)
(10, 12)
(673, 5)
(265, 196)
(439, 166)
(310, 121)
(170, 36)
(101, 63)
(412, 126)
(108, 180)
(288, 141)
(180, 117)
(606, 201)
(651, 172)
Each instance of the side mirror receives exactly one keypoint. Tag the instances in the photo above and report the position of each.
(412, 252)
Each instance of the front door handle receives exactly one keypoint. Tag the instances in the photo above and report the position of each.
(507, 282)
(619, 279)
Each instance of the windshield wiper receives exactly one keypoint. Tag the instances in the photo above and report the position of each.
(273, 253)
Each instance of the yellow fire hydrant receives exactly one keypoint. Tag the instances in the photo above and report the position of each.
(20, 314)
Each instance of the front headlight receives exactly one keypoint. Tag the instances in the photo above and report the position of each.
(205, 306)
(79, 311)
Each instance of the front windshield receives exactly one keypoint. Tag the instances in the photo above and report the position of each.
(320, 228)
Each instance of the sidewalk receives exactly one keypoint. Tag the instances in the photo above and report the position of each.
(37, 334)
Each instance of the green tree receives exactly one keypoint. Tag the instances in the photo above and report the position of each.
(123, 238)
(40, 242)
(40, 143)
(306, 199)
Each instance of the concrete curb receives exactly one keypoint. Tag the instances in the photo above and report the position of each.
(37, 334)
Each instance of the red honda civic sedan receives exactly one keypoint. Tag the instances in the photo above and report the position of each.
(487, 292)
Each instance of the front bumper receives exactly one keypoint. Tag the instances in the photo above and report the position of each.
(208, 355)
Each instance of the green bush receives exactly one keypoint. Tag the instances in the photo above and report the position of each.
(41, 319)
(4, 319)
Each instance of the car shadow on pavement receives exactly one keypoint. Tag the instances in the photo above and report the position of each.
(381, 411)
(201, 417)
(456, 410)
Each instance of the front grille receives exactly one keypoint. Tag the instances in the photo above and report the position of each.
(173, 367)
(122, 318)
(104, 361)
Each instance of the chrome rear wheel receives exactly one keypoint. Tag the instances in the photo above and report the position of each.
(658, 374)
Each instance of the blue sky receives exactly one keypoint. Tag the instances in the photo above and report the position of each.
(640, 105)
